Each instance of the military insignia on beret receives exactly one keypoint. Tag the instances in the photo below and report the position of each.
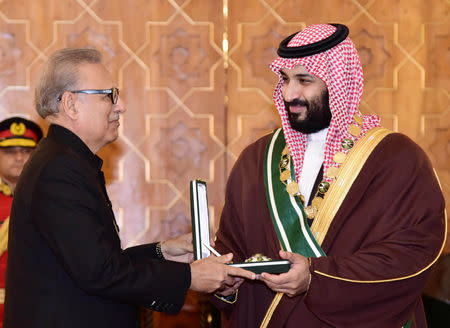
(18, 129)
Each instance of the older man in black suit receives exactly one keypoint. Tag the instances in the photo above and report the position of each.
(66, 266)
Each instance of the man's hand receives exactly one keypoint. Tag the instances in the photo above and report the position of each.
(295, 281)
(178, 249)
(230, 290)
(211, 274)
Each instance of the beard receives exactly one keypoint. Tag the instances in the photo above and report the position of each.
(318, 114)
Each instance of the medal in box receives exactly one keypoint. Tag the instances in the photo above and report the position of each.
(258, 263)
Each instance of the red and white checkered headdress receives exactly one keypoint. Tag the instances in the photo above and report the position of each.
(339, 67)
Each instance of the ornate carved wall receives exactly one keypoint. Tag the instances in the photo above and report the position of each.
(193, 106)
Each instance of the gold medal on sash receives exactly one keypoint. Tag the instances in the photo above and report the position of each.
(332, 172)
(339, 157)
(323, 187)
(292, 188)
(286, 174)
(317, 202)
(354, 130)
(311, 212)
(347, 143)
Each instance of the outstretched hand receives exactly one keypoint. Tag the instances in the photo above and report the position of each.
(211, 274)
(295, 281)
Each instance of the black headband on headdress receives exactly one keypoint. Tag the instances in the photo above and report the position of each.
(313, 48)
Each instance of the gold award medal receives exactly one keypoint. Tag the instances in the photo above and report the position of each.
(285, 151)
(310, 212)
(347, 143)
(292, 188)
(332, 172)
(339, 157)
(286, 174)
(317, 202)
(258, 258)
(323, 187)
(354, 130)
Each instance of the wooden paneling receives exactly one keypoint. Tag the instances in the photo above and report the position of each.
(191, 110)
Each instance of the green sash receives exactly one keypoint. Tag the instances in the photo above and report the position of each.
(288, 216)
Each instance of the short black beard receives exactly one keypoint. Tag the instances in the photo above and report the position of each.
(318, 114)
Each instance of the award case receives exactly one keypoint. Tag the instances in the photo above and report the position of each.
(200, 233)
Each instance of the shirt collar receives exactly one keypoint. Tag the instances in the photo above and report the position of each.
(62, 135)
(319, 136)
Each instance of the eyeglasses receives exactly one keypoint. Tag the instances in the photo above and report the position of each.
(113, 93)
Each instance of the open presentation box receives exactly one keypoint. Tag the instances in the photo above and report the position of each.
(200, 233)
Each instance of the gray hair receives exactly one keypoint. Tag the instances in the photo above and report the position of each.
(60, 74)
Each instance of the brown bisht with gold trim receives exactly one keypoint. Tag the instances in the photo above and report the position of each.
(388, 230)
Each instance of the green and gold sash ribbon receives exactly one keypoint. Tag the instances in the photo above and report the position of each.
(288, 216)
(287, 212)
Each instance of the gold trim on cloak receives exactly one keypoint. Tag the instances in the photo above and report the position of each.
(271, 310)
(349, 170)
(403, 277)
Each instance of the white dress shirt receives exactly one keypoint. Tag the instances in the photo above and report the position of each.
(312, 162)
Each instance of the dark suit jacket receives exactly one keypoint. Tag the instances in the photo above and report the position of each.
(66, 266)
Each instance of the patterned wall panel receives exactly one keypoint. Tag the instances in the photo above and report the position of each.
(192, 107)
